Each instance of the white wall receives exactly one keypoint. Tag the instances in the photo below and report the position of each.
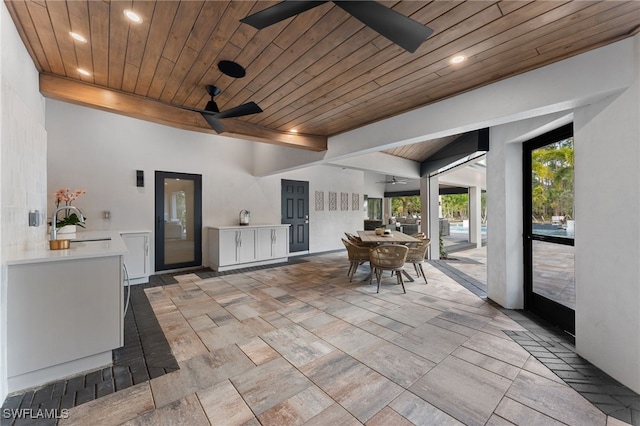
(23, 148)
(607, 255)
(100, 152)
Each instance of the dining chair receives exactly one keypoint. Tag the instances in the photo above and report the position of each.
(417, 253)
(357, 255)
(388, 258)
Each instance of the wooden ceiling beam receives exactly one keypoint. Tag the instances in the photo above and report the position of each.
(67, 90)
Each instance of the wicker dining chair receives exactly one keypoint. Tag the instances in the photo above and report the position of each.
(417, 253)
(389, 258)
(357, 255)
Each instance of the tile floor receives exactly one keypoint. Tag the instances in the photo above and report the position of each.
(145, 354)
(299, 344)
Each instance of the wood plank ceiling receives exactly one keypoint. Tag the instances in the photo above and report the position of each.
(321, 72)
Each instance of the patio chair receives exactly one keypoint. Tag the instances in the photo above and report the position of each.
(357, 256)
(388, 258)
(417, 253)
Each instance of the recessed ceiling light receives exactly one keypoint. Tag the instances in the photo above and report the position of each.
(84, 72)
(457, 59)
(132, 16)
(78, 37)
(293, 131)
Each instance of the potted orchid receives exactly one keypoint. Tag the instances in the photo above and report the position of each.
(70, 219)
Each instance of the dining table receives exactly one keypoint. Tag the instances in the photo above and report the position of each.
(391, 238)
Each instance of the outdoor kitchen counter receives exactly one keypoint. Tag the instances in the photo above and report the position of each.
(84, 245)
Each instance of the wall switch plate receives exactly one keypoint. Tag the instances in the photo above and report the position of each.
(107, 214)
(34, 218)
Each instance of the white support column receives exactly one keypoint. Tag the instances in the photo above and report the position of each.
(386, 210)
(431, 187)
(505, 267)
(475, 217)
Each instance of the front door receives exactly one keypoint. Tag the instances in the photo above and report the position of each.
(549, 225)
(178, 220)
(295, 212)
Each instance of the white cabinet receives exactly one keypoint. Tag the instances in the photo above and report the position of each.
(273, 242)
(137, 259)
(235, 247)
(280, 244)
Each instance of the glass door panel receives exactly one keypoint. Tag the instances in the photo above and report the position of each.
(178, 220)
(178, 234)
(550, 227)
(553, 272)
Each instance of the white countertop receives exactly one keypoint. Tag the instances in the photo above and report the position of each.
(273, 225)
(86, 244)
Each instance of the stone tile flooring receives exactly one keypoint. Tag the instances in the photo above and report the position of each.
(556, 350)
(146, 354)
(299, 344)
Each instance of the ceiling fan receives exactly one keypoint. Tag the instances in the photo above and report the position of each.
(212, 113)
(401, 30)
(393, 181)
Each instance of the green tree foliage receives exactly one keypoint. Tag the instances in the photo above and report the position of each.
(405, 206)
(552, 180)
(456, 207)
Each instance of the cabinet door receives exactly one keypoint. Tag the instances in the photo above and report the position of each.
(137, 260)
(264, 245)
(281, 242)
(247, 245)
(228, 246)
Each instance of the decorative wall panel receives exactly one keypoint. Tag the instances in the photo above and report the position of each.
(333, 200)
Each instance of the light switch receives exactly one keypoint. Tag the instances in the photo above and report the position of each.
(34, 218)
(107, 214)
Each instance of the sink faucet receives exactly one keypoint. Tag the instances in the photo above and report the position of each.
(54, 219)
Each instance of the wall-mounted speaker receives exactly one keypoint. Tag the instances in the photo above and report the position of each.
(140, 178)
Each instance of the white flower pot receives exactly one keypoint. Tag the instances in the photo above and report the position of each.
(67, 229)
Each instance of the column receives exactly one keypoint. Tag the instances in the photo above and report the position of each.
(475, 216)
(430, 192)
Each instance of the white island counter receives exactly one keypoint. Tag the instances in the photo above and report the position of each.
(64, 308)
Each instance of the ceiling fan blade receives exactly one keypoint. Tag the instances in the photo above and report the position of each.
(244, 109)
(279, 12)
(403, 31)
(213, 122)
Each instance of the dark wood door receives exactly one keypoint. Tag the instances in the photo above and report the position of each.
(295, 212)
